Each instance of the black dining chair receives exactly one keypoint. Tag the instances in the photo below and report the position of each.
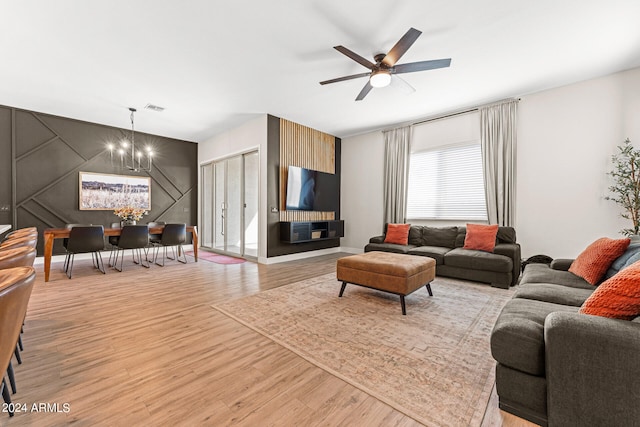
(15, 290)
(136, 238)
(82, 240)
(113, 241)
(155, 238)
(173, 235)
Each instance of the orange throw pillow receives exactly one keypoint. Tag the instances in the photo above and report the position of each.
(618, 297)
(481, 237)
(594, 261)
(397, 233)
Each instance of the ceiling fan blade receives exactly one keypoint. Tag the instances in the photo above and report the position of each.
(421, 66)
(359, 59)
(401, 84)
(401, 47)
(341, 79)
(365, 90)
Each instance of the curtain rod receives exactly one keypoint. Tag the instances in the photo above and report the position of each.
(450, 114)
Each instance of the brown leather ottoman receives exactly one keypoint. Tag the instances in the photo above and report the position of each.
(395, 273)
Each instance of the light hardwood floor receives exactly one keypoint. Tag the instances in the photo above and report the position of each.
(144, 347)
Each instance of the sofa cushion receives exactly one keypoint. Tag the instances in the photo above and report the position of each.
(556, 294)
(631, 255)
(434, 252)
(517, 340)
(617, 297)
(542, 273)
(415, 235)
(388, 247)
(593, 262)
(439, 236)
(505, 235)
(481, 237)
(397, 234)
(478, 260)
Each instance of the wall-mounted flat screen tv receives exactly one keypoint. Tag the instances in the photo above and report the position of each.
(311, 190)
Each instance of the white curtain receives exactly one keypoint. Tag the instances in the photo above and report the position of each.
(498, 141)
(396, 173)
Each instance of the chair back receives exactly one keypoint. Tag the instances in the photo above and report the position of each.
(29, 240)
(22, 232)
(65, 241)
(18, 257)
(174, 234)
(84, 239)
(15, 289)
(133, 237)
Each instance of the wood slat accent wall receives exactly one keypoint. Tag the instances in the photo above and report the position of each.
(307, 148)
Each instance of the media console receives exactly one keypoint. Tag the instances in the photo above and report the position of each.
(310, 231)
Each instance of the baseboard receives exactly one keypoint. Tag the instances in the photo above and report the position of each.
(294, 257)
(351, 250)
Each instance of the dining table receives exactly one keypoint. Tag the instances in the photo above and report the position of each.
(51, 234)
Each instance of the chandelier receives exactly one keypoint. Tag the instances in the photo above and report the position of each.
(126, 155)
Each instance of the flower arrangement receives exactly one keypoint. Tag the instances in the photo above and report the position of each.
(129, 213)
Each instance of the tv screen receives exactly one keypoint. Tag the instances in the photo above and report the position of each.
(311, 190)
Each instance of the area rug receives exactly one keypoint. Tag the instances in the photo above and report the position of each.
(217, 258)
(434, 364)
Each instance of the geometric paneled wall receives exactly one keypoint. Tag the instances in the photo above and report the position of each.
(41, 156)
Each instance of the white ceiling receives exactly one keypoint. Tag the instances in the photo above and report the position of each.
(215, 64)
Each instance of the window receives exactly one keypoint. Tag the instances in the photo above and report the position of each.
(447, 183)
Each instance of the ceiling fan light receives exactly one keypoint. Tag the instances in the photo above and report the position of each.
(380, 78)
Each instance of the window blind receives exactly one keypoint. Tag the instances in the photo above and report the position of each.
(447, 183)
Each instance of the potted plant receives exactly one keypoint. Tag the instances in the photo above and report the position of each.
(626, 187)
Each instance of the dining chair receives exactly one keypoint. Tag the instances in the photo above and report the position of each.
(85, 239)
(22, 232)
(29, 240)
(17, 257)
(113, 241)
(136, 238)
(173, 235)
(155, 238)
(10, 258)
(15, 290)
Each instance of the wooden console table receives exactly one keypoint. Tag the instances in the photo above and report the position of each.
(50, 234)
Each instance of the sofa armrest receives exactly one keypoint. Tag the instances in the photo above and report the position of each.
(592, 370)
(377, 239)
(562, 264)
(512, 250)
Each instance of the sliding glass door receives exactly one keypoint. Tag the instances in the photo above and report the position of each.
(230, 205)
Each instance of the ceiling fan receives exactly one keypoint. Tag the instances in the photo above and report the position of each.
(385, 66)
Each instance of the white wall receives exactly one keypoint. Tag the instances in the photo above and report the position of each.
(361, 204)
(566, 137)
(249, 136)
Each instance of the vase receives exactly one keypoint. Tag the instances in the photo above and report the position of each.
(128, 222)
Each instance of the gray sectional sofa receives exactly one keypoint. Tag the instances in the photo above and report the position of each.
(558, 367)
(445, 244)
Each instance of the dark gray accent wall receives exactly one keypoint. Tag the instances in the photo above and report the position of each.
(274, 246)
(42, 155)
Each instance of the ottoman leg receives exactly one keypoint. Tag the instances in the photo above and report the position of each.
(428, 285)
(404, 308)
(344, 285)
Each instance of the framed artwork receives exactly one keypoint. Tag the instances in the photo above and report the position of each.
(100, 192)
